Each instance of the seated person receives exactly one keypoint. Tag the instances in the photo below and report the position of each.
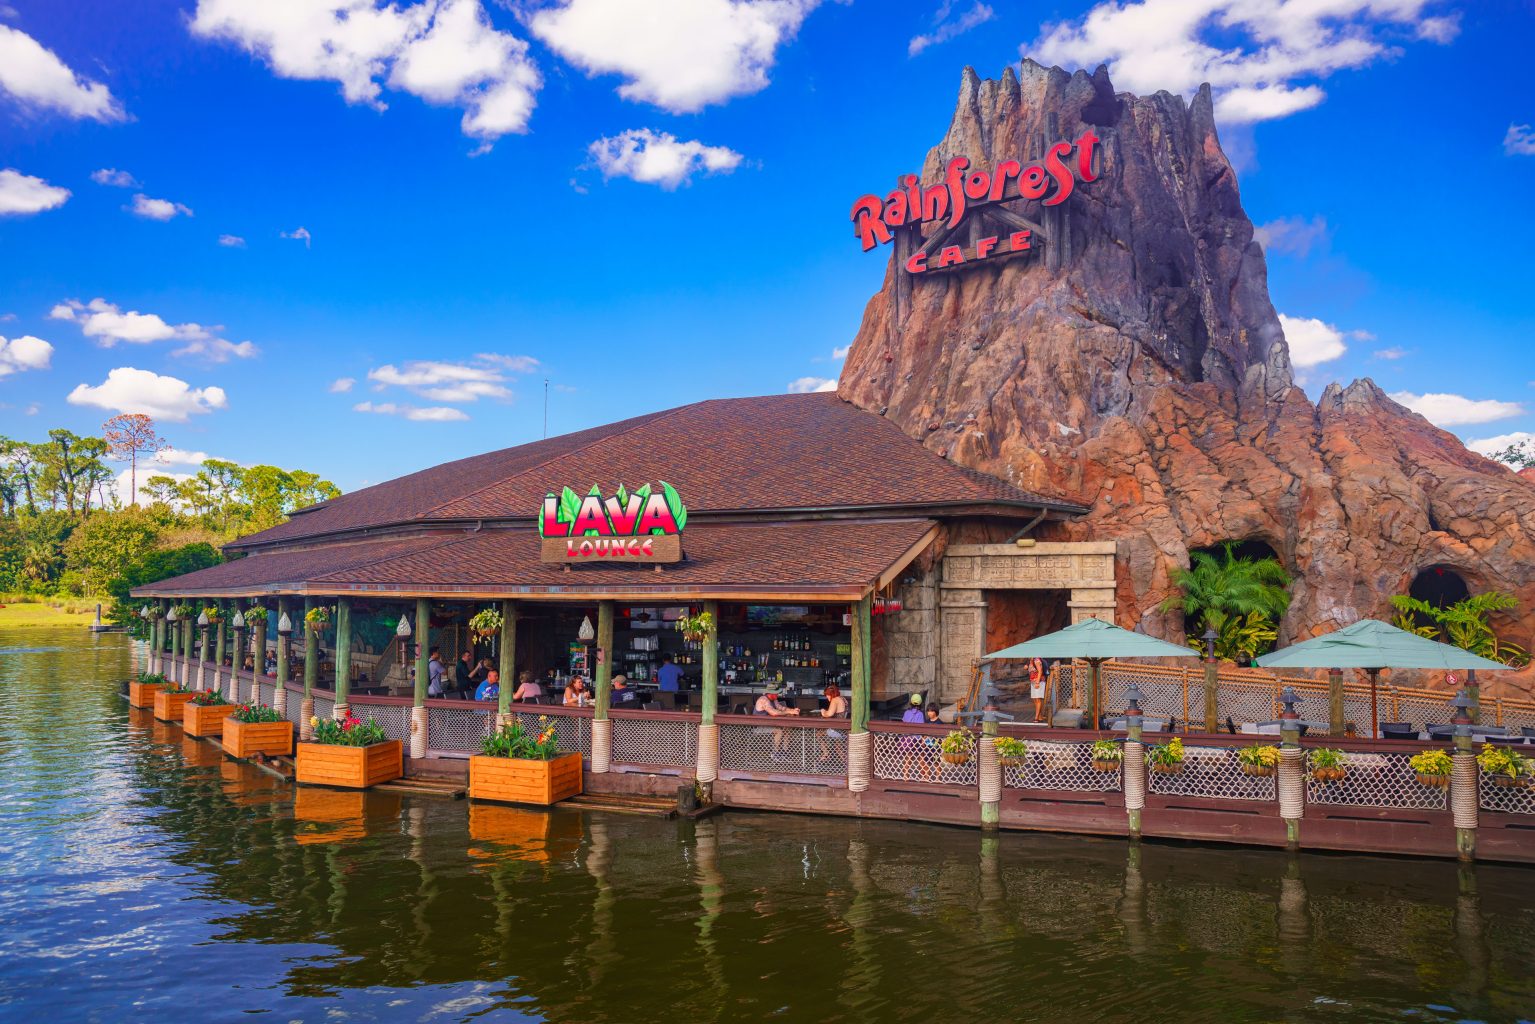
(768, 704)
(622, 692)
(528, 689)
(461, 679)
(490, 689)
(576, 693)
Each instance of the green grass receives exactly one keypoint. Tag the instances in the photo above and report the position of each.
(19, 615)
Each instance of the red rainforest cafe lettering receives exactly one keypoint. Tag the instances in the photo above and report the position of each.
(1051, 181)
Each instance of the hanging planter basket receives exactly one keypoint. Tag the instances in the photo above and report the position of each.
(1511, 781)
(1166, 768)
(955, 758)
(1327, 776)
(1434, 781)
(1106, 766)
(1259, 771)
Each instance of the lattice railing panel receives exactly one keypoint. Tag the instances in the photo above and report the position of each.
(1501, 713)
(267, 689)
(1059, 766)
(915, 759)
(295, 709)
(461, 730)
(789, 750)
(1509, 799)
(324, 707)
(573, 733)
(1377, 780)
(1161, 696)
(658, 741)
(229, 687)
(1212, 772)
(395, 718)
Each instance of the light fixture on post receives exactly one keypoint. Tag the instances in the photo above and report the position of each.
(1133, 700)
(586, 634)
(1209, 638)
(284, 631)
(144, 613)
(1461, 703)
(402, 633)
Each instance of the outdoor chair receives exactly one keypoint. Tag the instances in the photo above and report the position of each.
(1438, 731)
(1528, 732)
(1231, 726)
(1068, 718)
(1398, 731)
(1490, 730)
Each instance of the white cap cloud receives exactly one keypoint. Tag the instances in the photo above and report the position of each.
(18, 355)
(157, 209)
(429, 414)
(658, 158)
(35, 76)
(127, 389)
(109, 324)
(1312, 342)
(1447, 410)
(809, 385)
(22, 194)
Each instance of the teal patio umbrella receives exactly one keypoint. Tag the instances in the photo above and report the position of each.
(1093, 641)
(1373, 645)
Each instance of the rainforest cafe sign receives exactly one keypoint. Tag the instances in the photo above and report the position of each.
(640, 526)
(1051, 181)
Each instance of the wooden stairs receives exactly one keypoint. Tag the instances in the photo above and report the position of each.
(619, 803)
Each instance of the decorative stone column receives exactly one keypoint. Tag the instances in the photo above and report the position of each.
(858, 739)
(174, 630)
(602, 726)
(1465, 800)
(1292, 789)
(420, 719)
(343, 658)
(186, 648)
(708, 768)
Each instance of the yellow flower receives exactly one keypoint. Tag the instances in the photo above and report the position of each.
(314, 720)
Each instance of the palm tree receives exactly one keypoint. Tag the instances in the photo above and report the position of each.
(1225, 594)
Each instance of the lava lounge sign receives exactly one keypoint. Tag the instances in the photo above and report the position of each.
(644, 525)
(970, 191)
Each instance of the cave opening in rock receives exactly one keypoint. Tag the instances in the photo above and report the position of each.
(1013, 616)
(1253, 549)
(1438, 586)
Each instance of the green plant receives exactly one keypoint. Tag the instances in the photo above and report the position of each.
(256, 713)
(1166, 755)
(215, 614)
(349, 732)
(317, 618)
(1327, 764)
(1431, 762)
(959, 743)
(1463, 624)
(1107, 750)
(209, 698)
(1259, 757)
(255, 616)
(486, 623)
(1505, 761)
(152, 678)
(514, 740)
(1226, 594)
(185, 612)
(696, 628)
(1010, 748)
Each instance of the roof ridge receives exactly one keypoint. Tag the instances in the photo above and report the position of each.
(653, 417)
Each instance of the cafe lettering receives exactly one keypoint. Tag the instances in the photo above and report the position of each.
(644, 525)
(964, 189)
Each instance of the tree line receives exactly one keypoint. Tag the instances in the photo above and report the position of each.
(66, 532)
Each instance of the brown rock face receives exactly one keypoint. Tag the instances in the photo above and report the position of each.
(1148, 377)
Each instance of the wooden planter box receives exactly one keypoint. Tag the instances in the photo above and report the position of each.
(142, 695)
(168, 705)
(205, 719)
(326, 764)
(515, 781)
(246, 739)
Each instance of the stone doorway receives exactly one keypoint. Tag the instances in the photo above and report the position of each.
(1013, 616)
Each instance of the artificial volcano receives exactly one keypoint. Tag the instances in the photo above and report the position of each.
(1142, 371)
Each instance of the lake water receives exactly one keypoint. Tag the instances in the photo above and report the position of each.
(146, 877)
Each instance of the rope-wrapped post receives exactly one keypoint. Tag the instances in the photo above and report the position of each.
(708, 754)
(341, 710)
(306, 718)
(1135, 783)
(990, 780)
(1464, 799)
(858, 761)
(602, 745)
(1292, 791)
(418, 726)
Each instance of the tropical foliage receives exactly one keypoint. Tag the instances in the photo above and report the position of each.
(1242, 599)
(349, 732)
(1505, 761)
(1463, 624)
(486, 623)
(516, 741)
(1107, 750)
(1431, 762)
(256, 713)
(1011, 748)
(959, 743)
(1259, 757)
(1167, 755)
(209, 698)
(1326, 758)
(66, 531)
(696, 628)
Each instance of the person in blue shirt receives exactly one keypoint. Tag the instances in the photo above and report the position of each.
(490, 689)
(669, 676)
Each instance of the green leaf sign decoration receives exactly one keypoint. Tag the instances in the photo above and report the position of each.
(638, 513)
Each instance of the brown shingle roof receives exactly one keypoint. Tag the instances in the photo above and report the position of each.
(836, 558)
(726, 455)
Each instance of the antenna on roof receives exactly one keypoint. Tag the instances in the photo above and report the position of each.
(546, 407)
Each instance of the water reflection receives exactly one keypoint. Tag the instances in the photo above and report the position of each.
(128, 847)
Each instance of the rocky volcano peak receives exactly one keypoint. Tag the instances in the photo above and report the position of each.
(1133, 362)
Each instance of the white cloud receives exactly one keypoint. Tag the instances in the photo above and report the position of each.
(37, 78)
(1488, 445)
(115, 178)
(441, 381)
(429, 414)
(1261, 59)
(22, 194)
(1444, 410)
(341, 385)
(180, 457)
(445, 52)
(156, 209)
(946, 26)
(24, 353)
(1392, 353)
(1311, 341)
(806, 385)
(231, 241)
(165, 398)
(109, 324)
(299, 234)
(841, 351)
(1519, 140)
(1293, 236)
(680, 55)
(658, 158)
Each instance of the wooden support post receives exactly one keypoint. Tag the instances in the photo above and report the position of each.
(707, 768)
(311, 672)
(202, 652)
(508, 659)
(1335, 723)
(1135, 788)
(219, 645)
(280, 691)
(1474, 692)
(237, 655)
(258, 652)
(343, 656)
(154, 642)
(859, 743)
(602, 727)
(1212, 695)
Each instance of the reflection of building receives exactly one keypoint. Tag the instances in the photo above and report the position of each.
(799, 506)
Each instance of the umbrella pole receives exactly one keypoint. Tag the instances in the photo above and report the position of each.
(1374, 714)
(1095, 664)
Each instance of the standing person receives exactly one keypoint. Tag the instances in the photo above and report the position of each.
(1037, 687)
(461, 681)
(935, 763)
(669, 676)
(436, 674)
(490, 689)
(527, 688)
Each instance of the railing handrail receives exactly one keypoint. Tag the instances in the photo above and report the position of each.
(792, 721)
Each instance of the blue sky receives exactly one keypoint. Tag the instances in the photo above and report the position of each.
(646, 204)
